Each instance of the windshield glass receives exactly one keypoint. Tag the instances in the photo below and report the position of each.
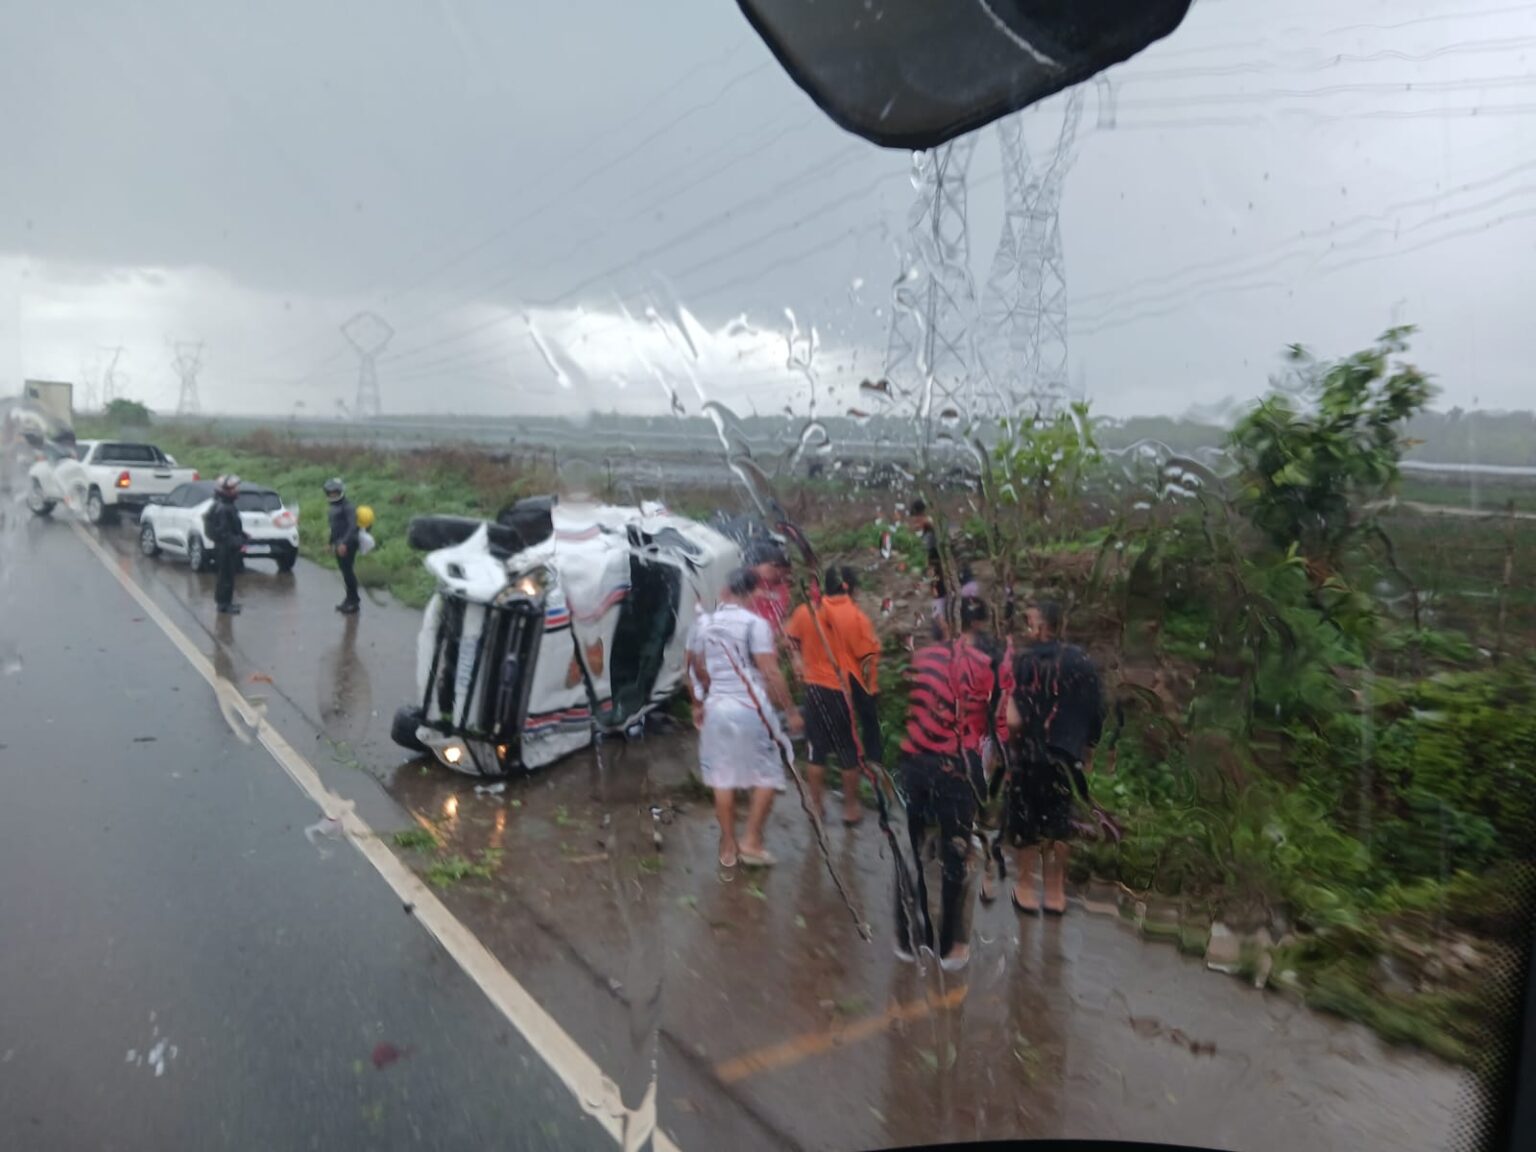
(249, 501)
(1027, 634)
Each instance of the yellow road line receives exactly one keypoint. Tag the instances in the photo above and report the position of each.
(814, 1043)
(594, 1092)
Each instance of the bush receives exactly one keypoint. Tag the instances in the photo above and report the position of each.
(127, 414)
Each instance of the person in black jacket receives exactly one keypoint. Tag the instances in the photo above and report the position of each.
(227, 535)
(1055, 718)
(343, 518)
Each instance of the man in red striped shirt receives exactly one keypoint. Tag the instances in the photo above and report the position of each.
(950, 716)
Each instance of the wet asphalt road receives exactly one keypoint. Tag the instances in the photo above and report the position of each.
(182, 967)
(778, 1026)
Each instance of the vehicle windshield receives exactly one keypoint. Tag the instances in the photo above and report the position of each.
(783, 602)
(249, 501)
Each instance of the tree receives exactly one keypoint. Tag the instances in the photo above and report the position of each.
(1314, 460)
(127, 414)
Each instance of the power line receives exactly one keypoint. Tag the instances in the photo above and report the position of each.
(644, 108)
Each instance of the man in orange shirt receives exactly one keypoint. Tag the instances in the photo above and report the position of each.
(837, 655)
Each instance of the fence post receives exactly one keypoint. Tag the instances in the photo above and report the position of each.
(1509, 572)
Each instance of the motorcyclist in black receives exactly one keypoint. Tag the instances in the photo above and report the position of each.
(344, 541)
(227, 535)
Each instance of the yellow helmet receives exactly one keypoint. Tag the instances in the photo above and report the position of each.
(365, 517)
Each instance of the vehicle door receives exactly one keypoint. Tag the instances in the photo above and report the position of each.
(70, 481)
(171, 518)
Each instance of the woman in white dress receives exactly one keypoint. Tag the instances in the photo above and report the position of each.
(738, 684)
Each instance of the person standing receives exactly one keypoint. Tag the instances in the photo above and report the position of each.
(771, 601)
(837, 655)
(227, 535)
(344, 541)
(738, 683)
(1055, 718)
(951, 715)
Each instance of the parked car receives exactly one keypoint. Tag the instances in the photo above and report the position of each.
(551, 623)
(103, 477)
(174, 524)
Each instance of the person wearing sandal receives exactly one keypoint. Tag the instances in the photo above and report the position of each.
(1055, 717)
(837, 655)
(738, 684)
(950, 715)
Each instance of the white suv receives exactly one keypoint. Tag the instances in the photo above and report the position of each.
(174, 524)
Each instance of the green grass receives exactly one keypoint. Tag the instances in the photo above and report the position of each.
(450, 870)
(416, 840)
(397, 486)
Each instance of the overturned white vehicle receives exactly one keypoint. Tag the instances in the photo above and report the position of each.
(552, 622)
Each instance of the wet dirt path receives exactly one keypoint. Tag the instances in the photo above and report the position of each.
(779, 1026)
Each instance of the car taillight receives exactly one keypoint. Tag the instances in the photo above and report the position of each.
(283, 519)
(124, 479)
(196, 476)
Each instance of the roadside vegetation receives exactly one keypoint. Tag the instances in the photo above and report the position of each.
(1324, 729)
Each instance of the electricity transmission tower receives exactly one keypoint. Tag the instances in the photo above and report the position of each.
(1024, 310)
(368, 333)
(188, 362)
(109, 379)
(929, 355)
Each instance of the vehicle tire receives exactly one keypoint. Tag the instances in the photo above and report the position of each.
(147, 542)
(429, 533)
(197, 554)
(39, 504)
(95, 506)
(403, 730)
(286, 561)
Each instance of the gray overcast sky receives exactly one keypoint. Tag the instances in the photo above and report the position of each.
(486, 175)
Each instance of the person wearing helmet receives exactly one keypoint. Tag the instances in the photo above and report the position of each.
(227, 535)
(344, 541)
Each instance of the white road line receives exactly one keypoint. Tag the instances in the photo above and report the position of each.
(594, 1092)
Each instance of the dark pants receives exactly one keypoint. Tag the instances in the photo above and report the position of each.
(1039, 799)
(830, 727)
(226, 558)
(942, 794)
(349, 577)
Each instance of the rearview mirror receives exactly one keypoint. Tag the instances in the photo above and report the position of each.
(917, 73)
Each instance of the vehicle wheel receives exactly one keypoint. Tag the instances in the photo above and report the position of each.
(147, 542)
(286, 561)
(197, 554)
(429, 533)
(95, 507)
(403, 730)
(37, 502)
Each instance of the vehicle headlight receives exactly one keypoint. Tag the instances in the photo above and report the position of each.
(453, 753)
(529, 586)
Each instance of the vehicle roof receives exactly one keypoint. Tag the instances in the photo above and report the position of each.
(207, 487)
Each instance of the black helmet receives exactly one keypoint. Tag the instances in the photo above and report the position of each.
(334, 489)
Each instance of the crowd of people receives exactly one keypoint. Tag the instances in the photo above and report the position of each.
(999, 734)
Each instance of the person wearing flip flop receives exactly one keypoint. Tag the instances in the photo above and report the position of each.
(1055, 718)
(836, 654)
(737, 684)
(950, 716)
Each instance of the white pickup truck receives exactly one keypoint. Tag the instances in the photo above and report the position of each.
(103, 477)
